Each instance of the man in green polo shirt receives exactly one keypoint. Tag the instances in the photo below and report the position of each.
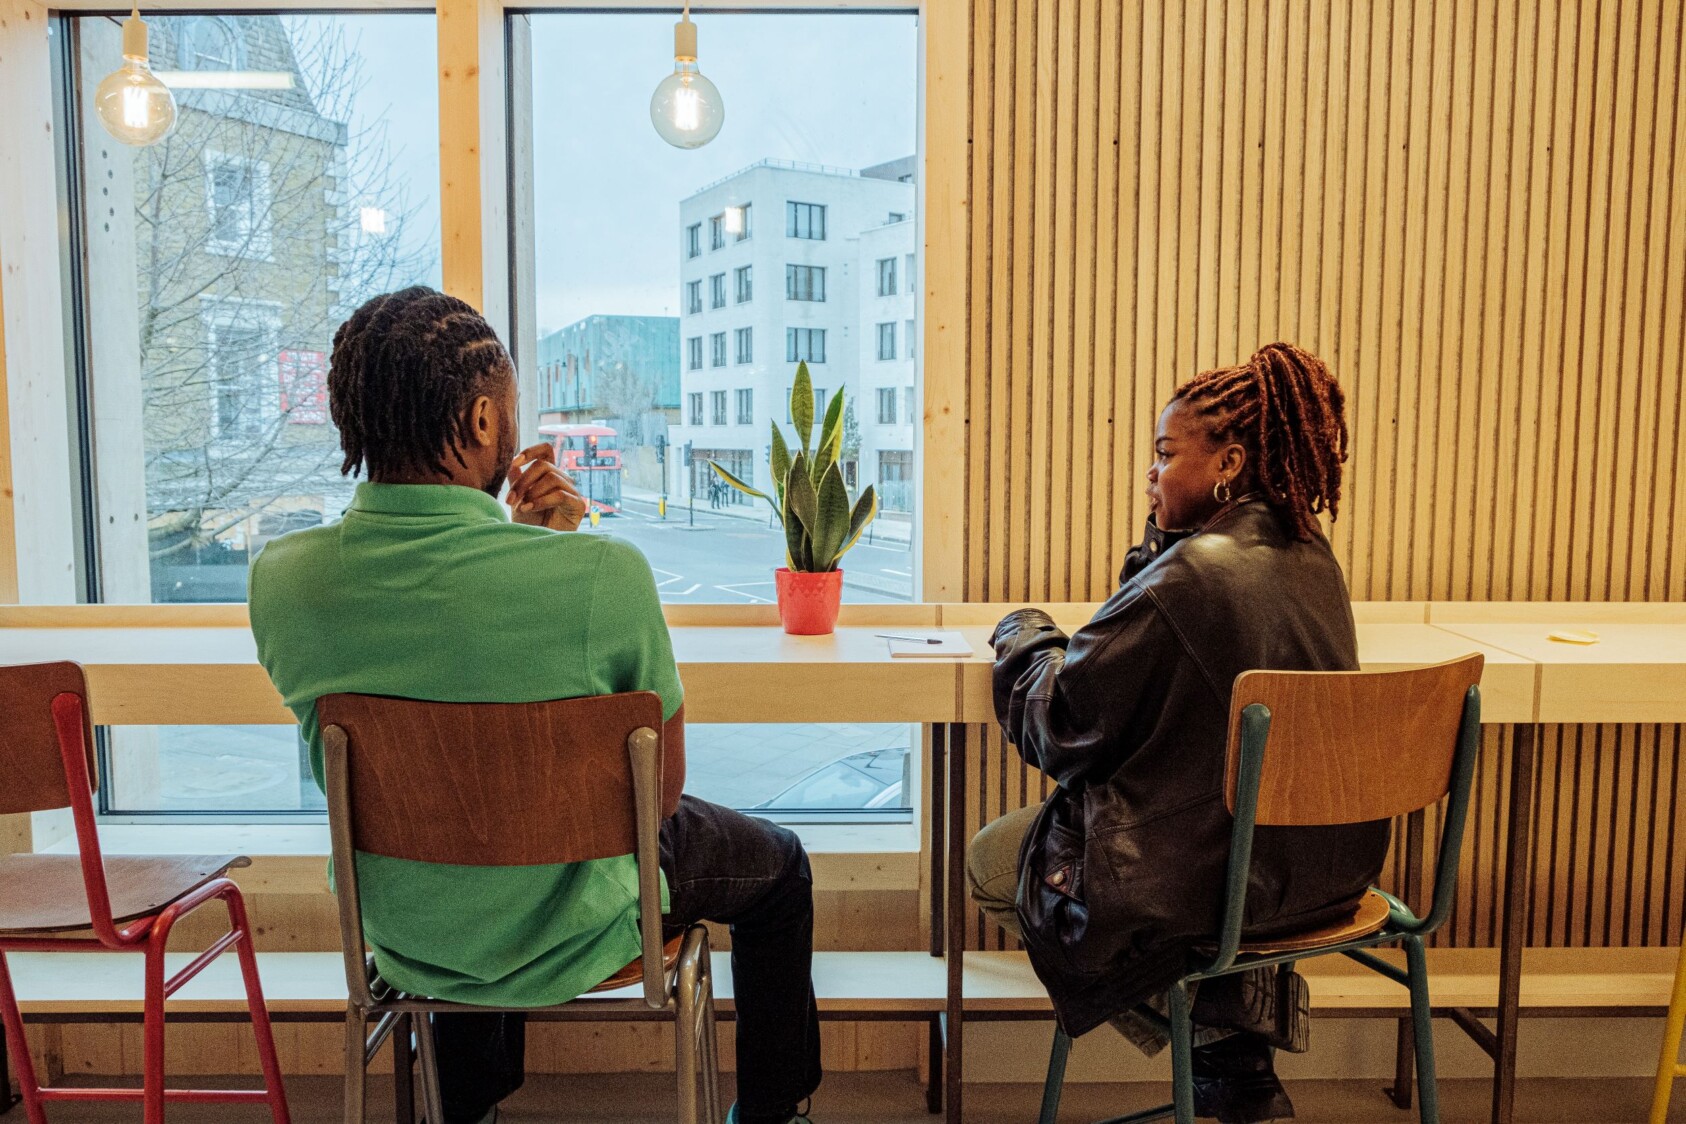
(425, 589)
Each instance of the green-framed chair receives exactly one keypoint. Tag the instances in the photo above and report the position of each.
(1321, 748)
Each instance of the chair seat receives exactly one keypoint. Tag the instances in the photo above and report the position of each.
(44, 893)
(633, 973)
(1371, 915)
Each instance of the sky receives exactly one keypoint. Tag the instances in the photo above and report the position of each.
(830, 88)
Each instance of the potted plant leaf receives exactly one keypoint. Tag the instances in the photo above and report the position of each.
(812, 504)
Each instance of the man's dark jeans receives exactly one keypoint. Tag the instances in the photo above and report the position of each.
(721, 866)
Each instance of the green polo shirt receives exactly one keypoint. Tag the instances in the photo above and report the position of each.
(429, 592)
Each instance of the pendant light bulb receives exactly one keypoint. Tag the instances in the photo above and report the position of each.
(686, 108)
(132, 104)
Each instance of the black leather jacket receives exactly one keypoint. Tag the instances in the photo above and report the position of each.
(1124, 869)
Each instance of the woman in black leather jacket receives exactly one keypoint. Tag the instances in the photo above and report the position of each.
(1113, 879)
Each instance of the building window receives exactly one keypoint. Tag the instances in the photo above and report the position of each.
(805, 220)
(717, 291)
(737, 222)
(804, 282)
(717, 349)
(886, 405)
(746, 407)
(237, 205)
(804, 345)
(910, 333)
(886, 277)
(696, 407)
(909, 261)
(242, 372)
(693, 240)
(209, 43)
(887, 340)
(717, 402)
(717, 232)
(693, 297)
(693, 353)
(895, 479)
(895, 217)
(745, 283)
(745, 345)
(907, 403)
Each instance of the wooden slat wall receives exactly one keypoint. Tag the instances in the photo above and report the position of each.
(1471, 209)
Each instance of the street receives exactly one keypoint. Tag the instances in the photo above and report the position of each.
(730, 559)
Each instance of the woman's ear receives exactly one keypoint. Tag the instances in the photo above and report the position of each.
(1232, 462)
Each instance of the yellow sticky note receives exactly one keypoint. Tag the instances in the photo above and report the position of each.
(1574, 636)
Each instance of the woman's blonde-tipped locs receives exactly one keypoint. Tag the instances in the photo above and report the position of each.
(1290, 413)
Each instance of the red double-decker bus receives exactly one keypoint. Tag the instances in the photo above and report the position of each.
(591, 455)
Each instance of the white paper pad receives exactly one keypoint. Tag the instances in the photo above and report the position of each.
(949, 645)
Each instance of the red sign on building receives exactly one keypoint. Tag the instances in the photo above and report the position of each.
(304, 387)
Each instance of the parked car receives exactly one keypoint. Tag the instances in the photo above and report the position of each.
(873, 778)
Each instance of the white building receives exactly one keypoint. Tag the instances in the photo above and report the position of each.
(773, 263)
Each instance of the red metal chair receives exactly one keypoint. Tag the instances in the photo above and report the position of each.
(130, 903)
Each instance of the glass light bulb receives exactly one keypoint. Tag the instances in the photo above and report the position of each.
(134, 106)
(686, 108)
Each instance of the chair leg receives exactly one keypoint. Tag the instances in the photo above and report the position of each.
(428, 1052)
(356, 1072)
(28, 1087)
(1054, 1083)
(152, 1032)
(711, 1054)
(403, 1071)
(687, 1070)
(1182, 1053)
(1668, 1065)
(1422, 1028)
(261, 1030)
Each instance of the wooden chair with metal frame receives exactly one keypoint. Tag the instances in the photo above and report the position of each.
(89, 903)
(513, 784)
(1343, 747)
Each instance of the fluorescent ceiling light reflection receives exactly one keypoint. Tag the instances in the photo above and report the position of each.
(226, 79)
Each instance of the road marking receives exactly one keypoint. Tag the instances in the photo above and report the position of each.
(898, 573)
(737, 589)
(688, 592)
(671, 576)
(875, 546)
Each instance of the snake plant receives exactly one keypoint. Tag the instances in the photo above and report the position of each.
(809, 496)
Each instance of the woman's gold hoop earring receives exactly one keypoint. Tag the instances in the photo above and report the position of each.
(1224, 497)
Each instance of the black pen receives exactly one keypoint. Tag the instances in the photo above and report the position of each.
(909, 639)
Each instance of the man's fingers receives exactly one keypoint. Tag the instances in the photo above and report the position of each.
(543, 451)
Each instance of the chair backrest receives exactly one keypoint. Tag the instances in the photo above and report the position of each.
(47, 750)
(1352, 746)
(35, 779)
(1334, 747)
(501, 784)
(498, 784)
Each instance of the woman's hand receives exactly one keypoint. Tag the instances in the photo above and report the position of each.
(540, 494)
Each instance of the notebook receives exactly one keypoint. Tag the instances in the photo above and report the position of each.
(950, 645)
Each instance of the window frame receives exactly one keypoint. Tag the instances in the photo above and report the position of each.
(795, 274)
(743, 283)
(255, 240)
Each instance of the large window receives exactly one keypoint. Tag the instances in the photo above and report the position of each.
(886, 405)
(717, 349)
(887, 340)
(818, 149)
(805, 220)
(717, 291)
(212, 271)
(804, 282)
(886, 277)
(693, 297)
(804, 345)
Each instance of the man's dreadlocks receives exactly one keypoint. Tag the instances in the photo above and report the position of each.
(405, 369)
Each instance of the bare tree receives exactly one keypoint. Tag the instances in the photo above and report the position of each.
(625, 397)
(261, 222)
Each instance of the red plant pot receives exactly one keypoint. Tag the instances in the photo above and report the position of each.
(808, 602)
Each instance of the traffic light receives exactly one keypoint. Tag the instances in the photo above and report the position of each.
(687, 454)
(661, 448)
